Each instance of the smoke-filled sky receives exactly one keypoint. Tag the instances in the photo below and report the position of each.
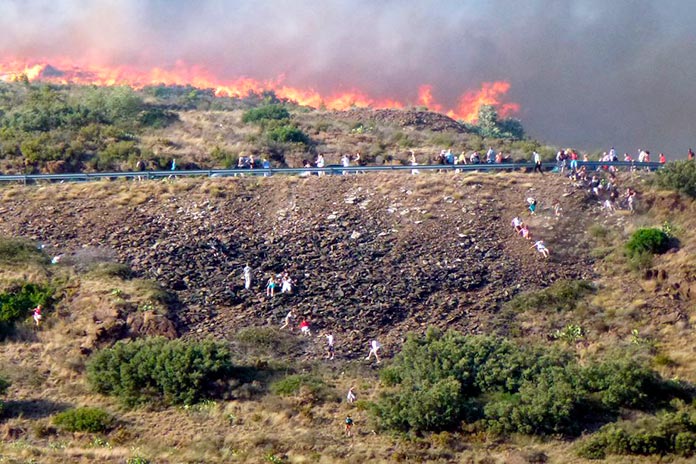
(587, 73)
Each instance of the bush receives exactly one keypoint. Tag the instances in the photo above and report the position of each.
(19, 250)
(16, 304)
(287, 133)
(172, 372)
(431, 407)
(310, 387)
(92, 420)
(265, 113)
(669, 433)
(623, 383)
(679, 176)
(563, 295)
(647, 240)
(4, 385)
(440, 380)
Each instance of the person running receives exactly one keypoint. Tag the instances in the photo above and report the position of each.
(304, 328)
(287, 320)
(350, 397)
(247, 277)
(330, 351)
(517, 224)
(541, 248)
(374, 348)
(37, 315)
(349, 425)
(525, 233)
(270, 286)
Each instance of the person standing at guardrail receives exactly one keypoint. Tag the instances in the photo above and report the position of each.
(173, 168)
(414, 163)
(320, 163)
(690, 155)
(345, 161)
(537, 162)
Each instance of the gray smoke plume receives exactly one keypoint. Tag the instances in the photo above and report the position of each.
(589, 73)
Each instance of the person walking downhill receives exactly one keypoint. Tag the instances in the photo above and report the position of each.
(330, 351)
(374, 348)
(37, 316)
(349, 425)
(247, 277)
(350, 397)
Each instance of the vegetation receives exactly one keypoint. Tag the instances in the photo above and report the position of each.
(4, 385)
(92, 420)
(159, 370)
(562, 295)
(490, 126)
(649, 240)
(19, 250)
(17, 302)
(440, 380)
(668, 433)
(679, 176)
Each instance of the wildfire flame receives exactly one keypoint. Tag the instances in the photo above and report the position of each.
(63, 71)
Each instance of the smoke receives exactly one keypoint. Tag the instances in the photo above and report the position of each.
(590, 74)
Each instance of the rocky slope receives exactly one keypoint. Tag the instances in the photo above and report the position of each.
(372, 255)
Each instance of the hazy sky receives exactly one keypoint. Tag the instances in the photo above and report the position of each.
(590, 73)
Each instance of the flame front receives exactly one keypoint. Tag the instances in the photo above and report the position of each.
(63, 71)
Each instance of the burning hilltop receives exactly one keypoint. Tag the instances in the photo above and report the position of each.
(64, 71)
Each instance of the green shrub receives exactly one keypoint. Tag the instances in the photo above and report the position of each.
(17, 302)
(172, 372)
(19, 250)
(287, 133)
(4, 385)
(307, 385)
(668, 433)
(647, 240)
(562, 295)
(439, 380)
(92, 420)
(679, 176)
(265, 113)
(623, 383)
(430, 407)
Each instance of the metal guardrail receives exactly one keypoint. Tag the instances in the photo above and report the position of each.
(330, 170)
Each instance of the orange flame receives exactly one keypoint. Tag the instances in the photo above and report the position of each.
(65, 71)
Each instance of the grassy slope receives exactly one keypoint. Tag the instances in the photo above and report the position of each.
(46, 368)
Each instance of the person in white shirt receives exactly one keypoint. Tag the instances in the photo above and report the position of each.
(537, 162)
(330, 352)
(247, 277)
(541, 248)
(374, 348)
(320, 163)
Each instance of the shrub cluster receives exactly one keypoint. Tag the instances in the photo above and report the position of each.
(647, 240)
(19, 250)
(563, 295)
(310, 387)
(440, 380)
(17, 302)
(4, 385)
(679, 176)
(156, 369)
(668, 433)
(92, 420)
(265, 113)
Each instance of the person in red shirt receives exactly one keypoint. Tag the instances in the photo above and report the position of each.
(304, 328)
(663, 159)
(691, 154)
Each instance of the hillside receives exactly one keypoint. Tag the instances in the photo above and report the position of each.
(371, 255)
(375, 255)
